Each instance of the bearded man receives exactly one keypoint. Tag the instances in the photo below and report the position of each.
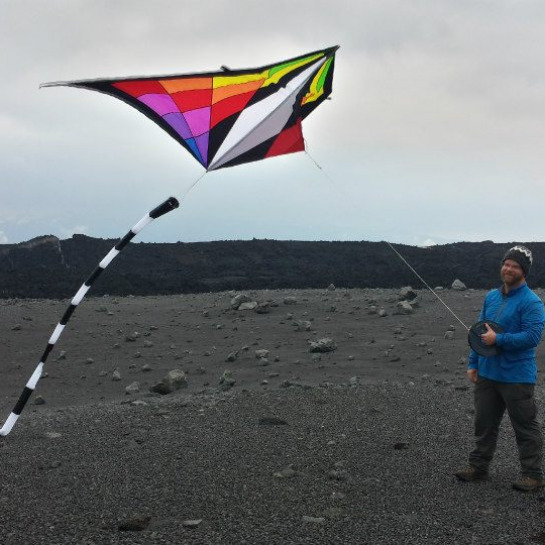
(506, 380)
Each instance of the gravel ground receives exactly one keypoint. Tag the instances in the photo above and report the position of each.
(362, 451)
(368, 464)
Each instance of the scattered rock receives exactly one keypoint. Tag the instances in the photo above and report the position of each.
(133, 388)
(286, 473)
(226, 381)
(232, 356)
(263, 308)
(302, 325)
(290, 300)
(323, 345)
(239, 299)
(458, 285)
(251, 305)
(191, 523)
(404, 307)
(407, 294)
(174, 380)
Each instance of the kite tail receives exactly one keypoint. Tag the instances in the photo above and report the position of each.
(169, 205)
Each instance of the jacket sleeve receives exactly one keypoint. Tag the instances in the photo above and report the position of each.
(532, 322)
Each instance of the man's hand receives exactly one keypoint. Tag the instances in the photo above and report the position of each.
(472, 375)
(489, 338)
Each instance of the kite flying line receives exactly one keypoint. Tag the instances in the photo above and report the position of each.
(394, 250)
(167, 206)
(427, 285)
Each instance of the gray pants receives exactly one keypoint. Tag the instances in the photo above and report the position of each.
(491, 400)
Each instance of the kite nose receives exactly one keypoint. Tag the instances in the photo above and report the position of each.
(164, 208)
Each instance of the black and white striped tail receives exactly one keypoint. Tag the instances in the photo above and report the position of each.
(167, 206)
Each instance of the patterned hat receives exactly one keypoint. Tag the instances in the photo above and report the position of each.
(522, 255)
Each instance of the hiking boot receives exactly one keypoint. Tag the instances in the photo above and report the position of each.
(471, 474)
(528, 484)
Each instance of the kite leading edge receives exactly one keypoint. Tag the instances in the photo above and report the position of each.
(230, 117)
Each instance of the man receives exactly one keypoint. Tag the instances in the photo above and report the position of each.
(507, 380)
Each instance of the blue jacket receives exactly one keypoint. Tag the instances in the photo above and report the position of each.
(522, 317)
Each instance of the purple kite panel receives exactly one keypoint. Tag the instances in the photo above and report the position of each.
(160, 104)
(179, 124)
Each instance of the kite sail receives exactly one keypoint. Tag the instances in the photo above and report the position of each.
(230, 117)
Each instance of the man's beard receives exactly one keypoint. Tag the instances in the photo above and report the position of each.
(511, 279)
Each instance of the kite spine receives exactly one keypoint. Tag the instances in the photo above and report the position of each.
(167, 206)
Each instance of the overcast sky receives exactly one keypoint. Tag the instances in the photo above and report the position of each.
(435, 131)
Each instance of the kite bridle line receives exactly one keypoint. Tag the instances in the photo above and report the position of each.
(167, 206)
(190, 188)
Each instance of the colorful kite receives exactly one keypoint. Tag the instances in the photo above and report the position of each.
(223, 119)
(234, 116)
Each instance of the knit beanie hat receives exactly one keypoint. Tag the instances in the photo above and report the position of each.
(522, 255)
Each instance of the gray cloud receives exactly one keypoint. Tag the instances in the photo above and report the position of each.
(434, 131)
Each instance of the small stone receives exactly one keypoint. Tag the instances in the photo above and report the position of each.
(302, 325)
(39, 400)
(262, 308)
(116, 376)
(133, 388)
(226, 381)
(251, 305)
(323, 345)
(191, 523)
(458, 285)
(286, 473)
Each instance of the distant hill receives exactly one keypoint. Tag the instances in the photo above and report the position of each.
(46, 267)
